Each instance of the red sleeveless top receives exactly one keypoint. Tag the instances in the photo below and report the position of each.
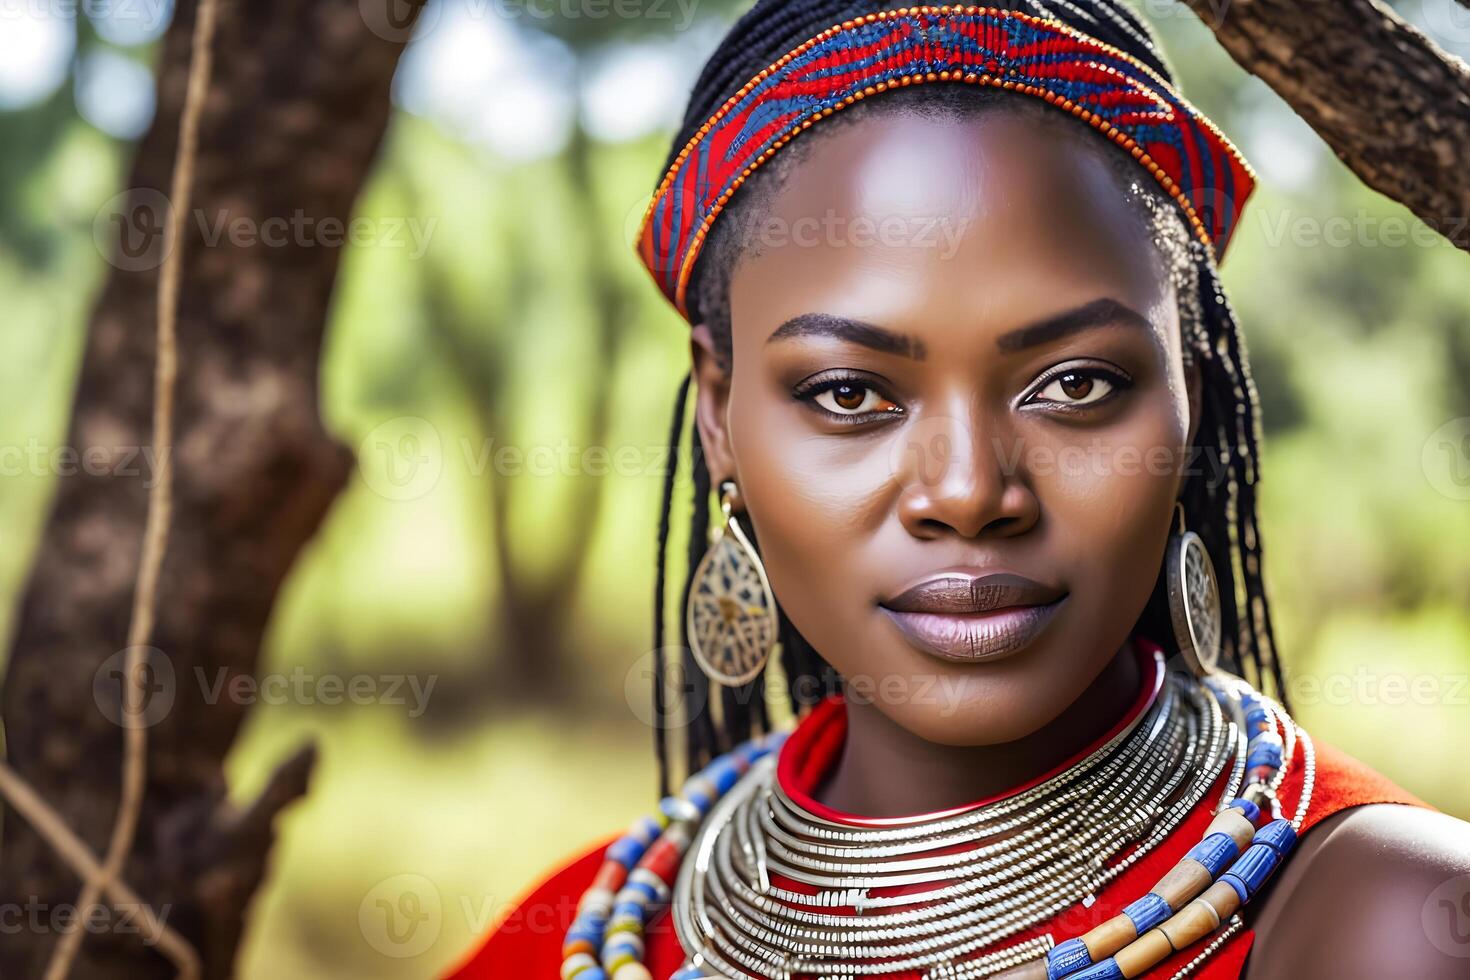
(526, 943)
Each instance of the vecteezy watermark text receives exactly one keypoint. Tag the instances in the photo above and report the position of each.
(35, 458)
(156, 688)
(404, 457)
(299, 686)
(38, 917)
(401, 21)
(832, 230)
(148, 14)
(1362, 229)
(130, 230)
(1367, 686)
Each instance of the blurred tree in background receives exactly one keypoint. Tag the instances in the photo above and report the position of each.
(504, 370)
(296, 105)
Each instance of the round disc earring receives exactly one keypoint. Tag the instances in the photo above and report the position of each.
(731, 613)
(1194, 600)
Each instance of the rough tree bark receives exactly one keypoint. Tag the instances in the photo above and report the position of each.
(294, 116)
(1389, 101)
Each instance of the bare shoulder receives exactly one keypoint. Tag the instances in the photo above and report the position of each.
(1379, 890)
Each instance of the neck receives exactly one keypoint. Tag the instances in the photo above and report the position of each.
(887, 771)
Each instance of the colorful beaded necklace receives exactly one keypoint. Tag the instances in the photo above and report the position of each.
(1244, 843)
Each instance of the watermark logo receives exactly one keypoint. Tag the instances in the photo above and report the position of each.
(1446, 917)
(402, 459)
(155, 689)
(683, 701)
(927, 450)
(130, 229)
(1362, 229)
(1212, 12)
(401, 21)
(633, 219)
(1446, 20)
(397, 20)
(401, 916)
(934, 450)
(145, 701)
(833, 230)
(301, 687)
(38, 459)
(144, 16)
(38, 917)
(1365, 686)
(1445, 459)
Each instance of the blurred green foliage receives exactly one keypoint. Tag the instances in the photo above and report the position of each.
(525, 590)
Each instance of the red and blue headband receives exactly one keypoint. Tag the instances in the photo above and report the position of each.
(1103, 86)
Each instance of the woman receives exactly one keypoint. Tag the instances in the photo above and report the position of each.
(965, 372)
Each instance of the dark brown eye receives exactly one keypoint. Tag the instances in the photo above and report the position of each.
(852, 398)
(849, 397)
(1076, 385)
(1079, 387)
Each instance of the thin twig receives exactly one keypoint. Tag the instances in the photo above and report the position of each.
(160, 497)
(70, 848)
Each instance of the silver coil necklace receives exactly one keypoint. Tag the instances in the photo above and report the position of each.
(928, 893)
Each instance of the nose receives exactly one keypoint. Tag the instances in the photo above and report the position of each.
(958, 477)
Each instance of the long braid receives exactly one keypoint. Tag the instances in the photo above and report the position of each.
(660, 706)
(1220, 498)
(1220, 502)
(701, 739)
(1259, 638)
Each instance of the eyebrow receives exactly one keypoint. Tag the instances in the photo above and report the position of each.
(852, 331)
(1100, 312)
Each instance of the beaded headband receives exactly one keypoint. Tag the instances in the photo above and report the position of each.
(1103, 86)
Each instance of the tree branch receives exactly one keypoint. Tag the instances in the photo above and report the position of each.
(1391, 103)
(288, 134)
(48, 823)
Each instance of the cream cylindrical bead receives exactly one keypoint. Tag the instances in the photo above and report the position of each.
(1148, 949)
(1234, 823)
(1195, 921)
(1223, 898)
(1183, 882)
(1106, 939)
(575, 964)
(596, 899)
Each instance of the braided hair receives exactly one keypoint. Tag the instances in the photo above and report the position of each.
(1218, 498)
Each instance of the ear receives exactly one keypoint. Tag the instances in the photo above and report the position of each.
(711, 404)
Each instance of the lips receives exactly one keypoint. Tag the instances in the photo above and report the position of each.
(967, 617)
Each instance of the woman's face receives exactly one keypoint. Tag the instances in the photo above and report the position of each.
(956, 413)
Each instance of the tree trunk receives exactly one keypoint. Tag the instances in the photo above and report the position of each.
(292, 122)
(1391, 104)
